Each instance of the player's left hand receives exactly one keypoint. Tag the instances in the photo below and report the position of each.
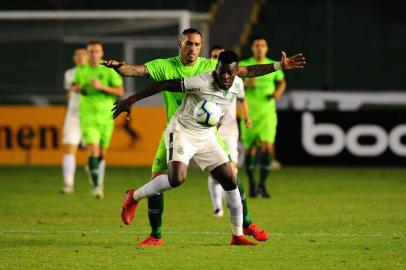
(120, 106)
(248, 122)
(96, 83)
(295, 62)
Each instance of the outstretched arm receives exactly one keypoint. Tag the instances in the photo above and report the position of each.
(125, 69)
(287, 63)
(242, 106)
(125, 105)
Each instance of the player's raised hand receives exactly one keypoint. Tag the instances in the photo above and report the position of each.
(112, 63)
(295, 62)
(120, 106)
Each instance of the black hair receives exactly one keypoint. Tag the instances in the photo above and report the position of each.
(188, 31)
(228, 57)
(216, 47)
(255, 38)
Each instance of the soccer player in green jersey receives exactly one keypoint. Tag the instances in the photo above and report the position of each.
(99, 87)
(186, 64)
(261, 94)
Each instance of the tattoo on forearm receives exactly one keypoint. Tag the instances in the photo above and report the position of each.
(259, 70)
(132, 70)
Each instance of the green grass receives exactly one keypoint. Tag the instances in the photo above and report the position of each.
(319, 218)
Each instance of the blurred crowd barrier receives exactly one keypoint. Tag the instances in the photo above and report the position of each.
(32, 135)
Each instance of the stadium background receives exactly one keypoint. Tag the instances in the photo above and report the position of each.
(355, 64)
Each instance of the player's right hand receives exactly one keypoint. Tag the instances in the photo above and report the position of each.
(250, 83)
(112, 63)
(248, 122)
(120, 106)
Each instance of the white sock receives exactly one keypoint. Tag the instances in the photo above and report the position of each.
(102, 169)
(154, 187)
(216, 193)
(68, 169)
(234, 205)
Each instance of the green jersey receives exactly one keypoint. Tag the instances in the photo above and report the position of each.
(172, 68)
(258, 97)
(95, 105)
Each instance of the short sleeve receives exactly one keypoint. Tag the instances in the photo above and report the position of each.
(68, 79)
(192, 84)
(156, 69)
(75, 79)
(279, 75)
(115, 78)
(241, 90)
(213, 64)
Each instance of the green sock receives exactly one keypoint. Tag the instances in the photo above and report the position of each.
(94, 163)
(266, 161)
(155, 210)
(250, 167)
(246, 218)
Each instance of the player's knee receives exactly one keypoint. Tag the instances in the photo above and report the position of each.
(177, 179)
(230, 181)
(251, 151)
(266, 147)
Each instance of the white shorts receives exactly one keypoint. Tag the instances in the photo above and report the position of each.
(229, 134)
(71, 128)
(205, 150)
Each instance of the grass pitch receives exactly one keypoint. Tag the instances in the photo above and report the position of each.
(319, 218)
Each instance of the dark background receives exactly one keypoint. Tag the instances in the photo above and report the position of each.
(350, 45)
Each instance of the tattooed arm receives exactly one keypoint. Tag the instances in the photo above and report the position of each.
(287, 63)
(125, 69)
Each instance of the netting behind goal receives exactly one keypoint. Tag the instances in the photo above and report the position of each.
(37, 46)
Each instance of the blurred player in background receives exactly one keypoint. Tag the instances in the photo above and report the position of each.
(215, 51)
(99, 87)
(186, 64)
(71, 126)
(229, 133)
(262, 104)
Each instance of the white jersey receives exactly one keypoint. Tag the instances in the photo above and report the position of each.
(198, 88)
(230, 116)
(71, 126)
(73, 102)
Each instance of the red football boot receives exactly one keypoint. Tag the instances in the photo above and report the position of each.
(257, 232)
(241, 240)
(151, 241)
(129, 206)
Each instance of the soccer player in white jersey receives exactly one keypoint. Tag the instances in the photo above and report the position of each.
(185, 138)
(229, 133)
(71, 128)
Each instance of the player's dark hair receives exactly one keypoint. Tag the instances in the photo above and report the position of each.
(216, 47)
(188, 31)
(94, 42)
(228, 57)
(255, 38)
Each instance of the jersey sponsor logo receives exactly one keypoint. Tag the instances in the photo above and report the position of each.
(192, 90)
(349, 140)
(180, 150)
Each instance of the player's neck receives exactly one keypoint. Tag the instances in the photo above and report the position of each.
(186, 62)
(93, 64)
(259, 58)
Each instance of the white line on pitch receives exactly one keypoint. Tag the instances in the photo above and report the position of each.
(197, 233)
